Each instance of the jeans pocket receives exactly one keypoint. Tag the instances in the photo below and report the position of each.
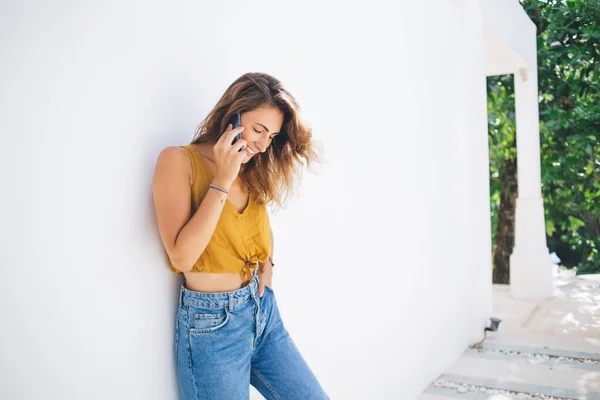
(207, 320)
(269, 288)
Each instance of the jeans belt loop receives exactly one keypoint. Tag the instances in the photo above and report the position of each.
(231, 302)
(180, 295)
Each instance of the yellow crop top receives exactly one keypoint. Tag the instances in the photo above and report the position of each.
(240, 240)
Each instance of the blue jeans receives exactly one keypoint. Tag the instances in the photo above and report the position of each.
(227, 341)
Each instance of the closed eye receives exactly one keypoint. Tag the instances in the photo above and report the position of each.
(262, 132)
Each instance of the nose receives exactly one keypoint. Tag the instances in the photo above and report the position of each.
(262, 145)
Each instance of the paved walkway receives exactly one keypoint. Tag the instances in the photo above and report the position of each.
(542, 350)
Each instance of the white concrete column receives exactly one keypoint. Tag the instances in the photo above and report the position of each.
(530, 263)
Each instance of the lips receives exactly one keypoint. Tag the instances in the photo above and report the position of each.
(249, 150)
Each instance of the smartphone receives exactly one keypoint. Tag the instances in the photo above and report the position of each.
(235, 121)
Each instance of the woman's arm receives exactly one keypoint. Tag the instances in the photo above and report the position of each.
(184, 238)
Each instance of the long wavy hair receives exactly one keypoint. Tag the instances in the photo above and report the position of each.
(272, 174)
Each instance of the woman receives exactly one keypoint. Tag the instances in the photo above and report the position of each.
(210, 199)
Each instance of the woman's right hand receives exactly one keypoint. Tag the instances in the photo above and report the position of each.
(228, 158)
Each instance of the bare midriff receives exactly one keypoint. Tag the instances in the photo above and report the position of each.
(213, 282)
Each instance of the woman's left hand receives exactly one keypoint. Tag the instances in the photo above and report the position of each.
(265, 273)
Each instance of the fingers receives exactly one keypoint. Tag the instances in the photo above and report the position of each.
(231, 133)
(238, 145)
(261, 289)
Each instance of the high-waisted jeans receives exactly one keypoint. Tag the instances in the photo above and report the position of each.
(227, 341)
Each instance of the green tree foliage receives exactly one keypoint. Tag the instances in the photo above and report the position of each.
(568, 40)
(503, 159)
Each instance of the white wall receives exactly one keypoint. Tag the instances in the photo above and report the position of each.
(509, 30)
(383, 266)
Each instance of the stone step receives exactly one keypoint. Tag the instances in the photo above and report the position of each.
(531, 370)
(522, 375)
(440, 394)
(558, 342)
(553, 358)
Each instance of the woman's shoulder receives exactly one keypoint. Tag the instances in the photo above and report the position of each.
(200, 162)
(186, 158)
(173, 159)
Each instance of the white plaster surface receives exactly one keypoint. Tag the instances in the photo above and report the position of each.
(572, 312)
(386, 243)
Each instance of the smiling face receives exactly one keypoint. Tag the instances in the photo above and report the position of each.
(262, 125)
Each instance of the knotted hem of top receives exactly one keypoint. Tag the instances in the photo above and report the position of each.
(247, 271)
